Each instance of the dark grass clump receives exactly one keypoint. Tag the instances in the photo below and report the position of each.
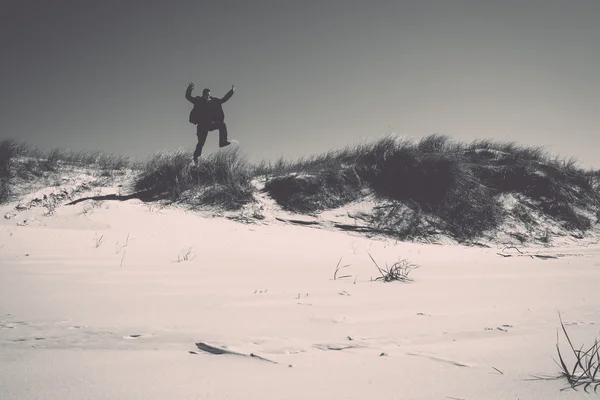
(429, 177)
(557, 186)
(317, 191)
(8, 150)
(166, 175)
(403, 221)
(594, 178)
(221, 179)
(224, 180)
(436, 183)
(317, 183)
(432, 177)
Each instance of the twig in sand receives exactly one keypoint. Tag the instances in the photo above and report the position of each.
(506, 248)
(119, 248)
(544, 256)
(540, 256)
(98, 240)
(218, 351)
(511, 247)
(123, 258)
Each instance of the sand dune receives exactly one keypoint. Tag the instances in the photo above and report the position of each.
(108, 300)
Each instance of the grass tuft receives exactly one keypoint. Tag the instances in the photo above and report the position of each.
(222, 179)
(398, 271)
(310, 192)
(8, 149)
(21, 162)
(166, 174)
(436, 184)
(585, 370)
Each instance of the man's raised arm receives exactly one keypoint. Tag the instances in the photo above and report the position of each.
(188, 93)
(228, 95)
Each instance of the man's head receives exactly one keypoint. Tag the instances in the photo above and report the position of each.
(206, 94)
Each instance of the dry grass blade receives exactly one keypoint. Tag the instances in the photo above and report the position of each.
(374, 262)
(575, 353)
(588, 360)
(337, 269)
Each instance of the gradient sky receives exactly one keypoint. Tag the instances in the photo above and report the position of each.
(310, 76)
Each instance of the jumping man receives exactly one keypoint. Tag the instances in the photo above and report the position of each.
(208, 115)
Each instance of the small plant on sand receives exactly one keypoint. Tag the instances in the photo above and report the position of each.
(338, 268)
(122, 246)
(98, 240)
(586, 367)
(92, 205)
(398, 271)
(186, 255)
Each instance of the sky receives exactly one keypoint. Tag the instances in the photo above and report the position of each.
(310, 76)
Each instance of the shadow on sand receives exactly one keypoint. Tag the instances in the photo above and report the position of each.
(145, 196)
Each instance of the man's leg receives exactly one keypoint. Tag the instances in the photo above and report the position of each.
(201, 132)
(222, 127)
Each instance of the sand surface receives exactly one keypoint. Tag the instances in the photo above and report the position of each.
(107, 302)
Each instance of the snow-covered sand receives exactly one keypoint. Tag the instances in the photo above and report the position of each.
(107, 302)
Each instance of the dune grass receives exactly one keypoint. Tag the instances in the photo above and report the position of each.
(427, 178)
(36, 161)
(398, 271)
(579, 366)
(435, 183)
(429, 186)
(585, 368)
(221, 179)
(91, 159)
(21, 162)
(317, 191)
(8, 149)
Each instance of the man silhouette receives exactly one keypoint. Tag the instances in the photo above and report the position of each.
(208, 115)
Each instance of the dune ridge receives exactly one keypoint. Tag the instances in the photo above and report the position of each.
(112, 271)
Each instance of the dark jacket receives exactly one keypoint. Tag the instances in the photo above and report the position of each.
(205, 112)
